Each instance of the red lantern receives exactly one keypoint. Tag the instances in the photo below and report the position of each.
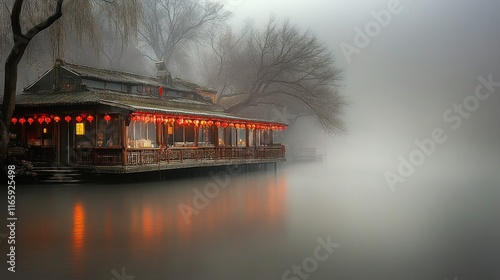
(159, 119)
(90, 118)
(107, 118)
(57, 119)
(40, 120)
(22, 120)
(67, 119)
(79, 118)
(203, 122)
(171, 120)
(231, 125)
(249, 126)
(196, 122)
(14, 120)
(224, 124)
(237, 126)
(253, 126)
(210, 123)
(146, 119)
(180, 121)
(217, 124)
(189, 122)
(30, 120)
(47, 120)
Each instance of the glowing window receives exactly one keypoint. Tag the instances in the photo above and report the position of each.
(80, 129)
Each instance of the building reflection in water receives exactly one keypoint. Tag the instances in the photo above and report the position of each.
(150, 222)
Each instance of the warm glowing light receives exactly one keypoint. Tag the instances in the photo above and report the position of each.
(107, 118)
(78, 226)
(47, 120)
(196, 122)
(30, 120)
(224, 124)
(210, 123)
(159, 119)
(44, 130)
(22, 120)
(90, 118)
(203, 122)
(14, 120)
(57, 119)
(217, 124)
(231, 125)
(253, 126)
(180, 121)
(40, 120)
(78, 118)
(189, 122)
(67, 119)
(80, 129)
(171, 120)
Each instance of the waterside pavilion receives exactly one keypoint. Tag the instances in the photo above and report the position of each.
(116, 122)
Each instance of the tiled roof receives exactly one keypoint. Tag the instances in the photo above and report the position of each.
(95, 96)
(134, 103)
(112, 76)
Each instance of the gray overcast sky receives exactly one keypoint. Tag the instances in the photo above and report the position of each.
(424, 61)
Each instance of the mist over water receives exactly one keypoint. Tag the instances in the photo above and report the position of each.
(431, 227)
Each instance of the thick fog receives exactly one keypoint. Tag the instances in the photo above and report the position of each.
(404, 74)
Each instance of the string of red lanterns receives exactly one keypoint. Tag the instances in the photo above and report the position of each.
(155, 119)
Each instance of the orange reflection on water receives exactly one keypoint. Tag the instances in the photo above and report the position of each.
(78, 227)
(147, 223)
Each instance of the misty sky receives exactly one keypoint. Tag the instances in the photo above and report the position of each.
(416, 68)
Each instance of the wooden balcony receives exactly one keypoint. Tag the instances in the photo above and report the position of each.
(108, 156)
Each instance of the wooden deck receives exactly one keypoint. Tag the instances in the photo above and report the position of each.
(117, 160)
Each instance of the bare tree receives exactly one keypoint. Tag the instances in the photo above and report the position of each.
(26, 19)
(281, 65)
(169, 27)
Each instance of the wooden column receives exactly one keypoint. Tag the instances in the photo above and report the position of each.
(195, 128)
(124, 141)
(247, 137)
(159, 134)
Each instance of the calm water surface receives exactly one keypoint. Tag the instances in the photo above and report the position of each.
(259, 226)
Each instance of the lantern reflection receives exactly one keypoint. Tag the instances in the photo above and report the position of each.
(78, 226)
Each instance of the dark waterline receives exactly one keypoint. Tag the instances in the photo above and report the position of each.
(258, 227)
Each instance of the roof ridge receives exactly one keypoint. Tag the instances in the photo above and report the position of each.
(108, 70)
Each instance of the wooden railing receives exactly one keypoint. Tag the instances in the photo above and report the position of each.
(114, 156)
